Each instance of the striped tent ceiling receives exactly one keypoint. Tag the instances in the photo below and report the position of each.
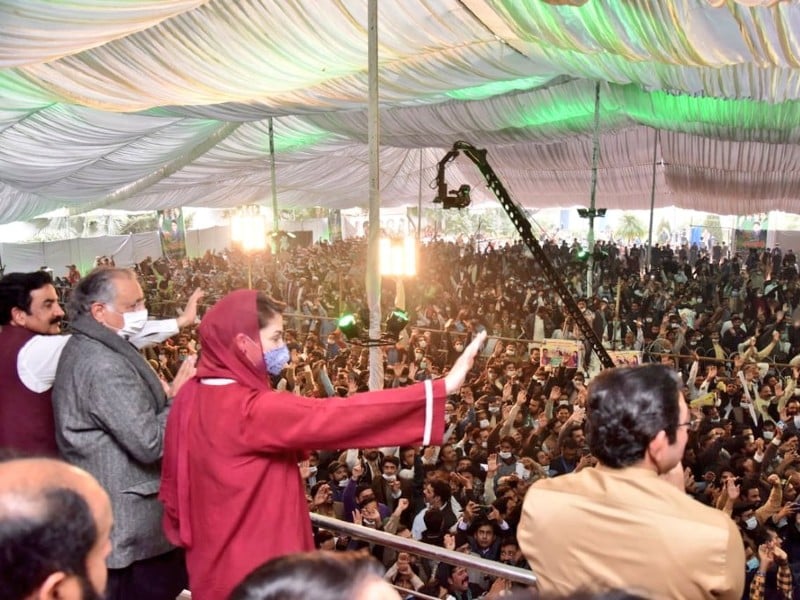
(150, 104)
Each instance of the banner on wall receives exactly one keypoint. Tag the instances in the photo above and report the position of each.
(172, 232)
(751, 231)
(560, 353)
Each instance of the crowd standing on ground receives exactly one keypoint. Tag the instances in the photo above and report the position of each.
(728, 324)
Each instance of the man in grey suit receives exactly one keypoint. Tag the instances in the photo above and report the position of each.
(110, 411)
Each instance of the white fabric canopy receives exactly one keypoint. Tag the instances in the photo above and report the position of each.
(149, 104)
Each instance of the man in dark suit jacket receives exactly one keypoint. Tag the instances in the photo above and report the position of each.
(110, 412)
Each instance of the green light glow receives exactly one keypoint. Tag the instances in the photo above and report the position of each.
(497, 88)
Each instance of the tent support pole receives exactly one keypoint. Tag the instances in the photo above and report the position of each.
(589, 292)
(373, 277)
(275, 215)
(652, 202)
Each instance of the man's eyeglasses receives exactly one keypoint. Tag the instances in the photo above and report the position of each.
(691, 423)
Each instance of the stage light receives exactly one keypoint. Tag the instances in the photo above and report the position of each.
(398, 258)
(591, 213)
(248, 229)
(395, 323)
(348, 325)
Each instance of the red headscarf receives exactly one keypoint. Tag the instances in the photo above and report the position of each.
(236, 313)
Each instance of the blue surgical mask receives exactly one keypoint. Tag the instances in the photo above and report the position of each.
(752, 564)
(276, 359)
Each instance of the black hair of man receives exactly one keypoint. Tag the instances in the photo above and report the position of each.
(442, 490)
(49, 533)
(15, 292)
(391, 459)
(627, 407)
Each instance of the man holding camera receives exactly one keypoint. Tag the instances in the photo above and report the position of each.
(628, 523)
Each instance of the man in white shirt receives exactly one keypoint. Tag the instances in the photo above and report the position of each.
(30, 321)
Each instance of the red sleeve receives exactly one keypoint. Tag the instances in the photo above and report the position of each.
(278, 421)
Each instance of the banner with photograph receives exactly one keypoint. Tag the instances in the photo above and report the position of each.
(172, 232)
(625, 358)
(560, 353)
(751, 231)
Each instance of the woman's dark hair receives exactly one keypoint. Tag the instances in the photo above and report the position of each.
(267, 309)
(627, 407)
(310, 576)
(51, 532)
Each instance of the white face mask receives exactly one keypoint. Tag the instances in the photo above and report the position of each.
(494, 409)
(312, 470)
(390, 478)
(768, 435)
(484, 423)
(459, 347)
(782, 523)
(343, 482)
(133, 322)
(750, 523)
(504, 455)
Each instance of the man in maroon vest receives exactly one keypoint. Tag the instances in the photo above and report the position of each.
(28, 307)
(30, 321)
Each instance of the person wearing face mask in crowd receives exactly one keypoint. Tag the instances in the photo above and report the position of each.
(339, 476)
(388, 488)
(110, 414)
(234, 442)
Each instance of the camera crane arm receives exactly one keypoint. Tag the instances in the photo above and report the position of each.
(523, 226)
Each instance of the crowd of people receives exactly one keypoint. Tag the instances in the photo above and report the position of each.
(726, 326)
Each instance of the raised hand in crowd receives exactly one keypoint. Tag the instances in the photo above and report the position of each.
(189, 313)
(305, 469)
(358, 471)
(402, 505)
(458, 373)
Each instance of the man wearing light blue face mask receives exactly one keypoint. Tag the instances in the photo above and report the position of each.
(110, 413)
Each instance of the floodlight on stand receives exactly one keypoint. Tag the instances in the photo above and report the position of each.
(591, 213)
(248, 229)
(348, 325)
(398, 258)
(395, 323)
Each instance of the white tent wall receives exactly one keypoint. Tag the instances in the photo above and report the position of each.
(198, 241)
(126, 250)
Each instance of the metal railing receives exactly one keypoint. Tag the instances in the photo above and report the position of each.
(451, 557)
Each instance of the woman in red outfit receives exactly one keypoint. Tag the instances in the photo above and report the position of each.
(231, 489)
